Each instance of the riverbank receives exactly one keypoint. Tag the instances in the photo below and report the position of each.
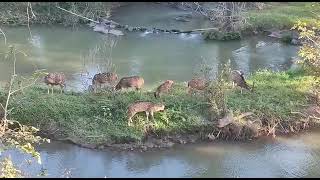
(282, 15)
(273, 17)
(278, 105)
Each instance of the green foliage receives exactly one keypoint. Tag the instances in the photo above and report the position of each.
(8, 170)
(310, 51)
(216, 93)
(12, 133)
(276, 95)
(218, 35)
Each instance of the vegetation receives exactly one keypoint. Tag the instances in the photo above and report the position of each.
(22, 13)
(218, 35)
(280, 99)
(13, 134)
(310, 51)
(102, 118)
(282, 15)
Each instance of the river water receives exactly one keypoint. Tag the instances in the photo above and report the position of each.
(157, 57)
(296, 156)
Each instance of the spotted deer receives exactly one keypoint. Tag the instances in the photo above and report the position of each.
(130, 82)
(54, 79)
(143, 106)
(163, 88)
(103, 78)
(196, 84)
(238, 79)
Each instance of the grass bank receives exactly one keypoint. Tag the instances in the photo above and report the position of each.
(101, 118)
(282, 15)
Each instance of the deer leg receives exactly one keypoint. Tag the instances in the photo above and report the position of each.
(129, 121)
(61, 87)
(51, 89)
(48, 89)
(151, 113)
(94, 88)
(147, 114)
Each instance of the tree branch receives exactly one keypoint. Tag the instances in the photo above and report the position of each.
(4, 35)
(77, 14)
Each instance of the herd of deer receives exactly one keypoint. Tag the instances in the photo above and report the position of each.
(54, 79)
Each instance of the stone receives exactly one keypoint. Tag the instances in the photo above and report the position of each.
(295, 42)
(275, 34)
(130, 29)
(103, 29)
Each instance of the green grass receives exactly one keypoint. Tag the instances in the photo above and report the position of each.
(275, 96)
(102, 118)
(283, 15)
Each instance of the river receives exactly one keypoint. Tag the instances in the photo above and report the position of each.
(158, 57)
(296, 156)
(155, 57)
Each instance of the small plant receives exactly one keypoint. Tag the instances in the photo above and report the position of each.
(310, 51)
(12, 133)
(216, 94)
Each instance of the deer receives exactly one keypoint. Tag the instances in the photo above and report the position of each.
(136, 82)
(54, 79)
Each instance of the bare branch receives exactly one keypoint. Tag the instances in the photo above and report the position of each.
(29, 20)
(77, 14)
(4, 35)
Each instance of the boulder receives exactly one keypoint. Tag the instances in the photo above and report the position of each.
(275, 34)
(106, 30)
(130, 29)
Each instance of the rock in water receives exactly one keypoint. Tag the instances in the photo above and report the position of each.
(92, 24)
(275, 35)
(105, 30)
(130, 29)
(116, 32)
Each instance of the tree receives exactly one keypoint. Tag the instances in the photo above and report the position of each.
(310, 50)
(12, 133)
